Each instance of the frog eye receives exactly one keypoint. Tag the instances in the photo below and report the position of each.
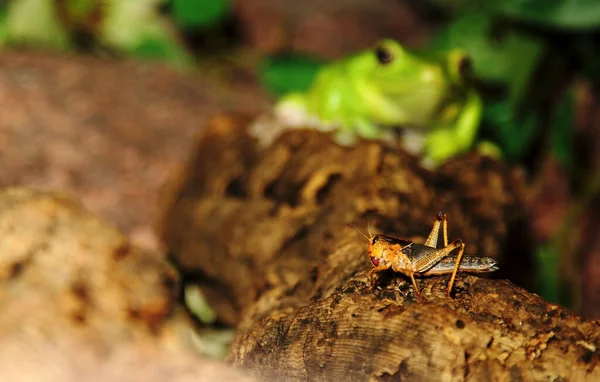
(384, 56)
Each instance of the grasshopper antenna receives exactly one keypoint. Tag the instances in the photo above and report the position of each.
(369, 226)
(357, 230)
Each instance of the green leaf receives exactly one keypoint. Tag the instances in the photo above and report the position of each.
(509, 59)
(3, 27)
(136, 27)
(34, 23)
(160, 49)
(81, 9)
(199, 13)
(588, 54)
(514, 133)
(285, 74)
(456, 7)
(548, 281)
(570, 14)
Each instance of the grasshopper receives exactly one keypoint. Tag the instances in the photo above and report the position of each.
(413, 259)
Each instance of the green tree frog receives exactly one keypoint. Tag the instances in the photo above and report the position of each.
(368, 94)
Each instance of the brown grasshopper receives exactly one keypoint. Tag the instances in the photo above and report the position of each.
(413, 259)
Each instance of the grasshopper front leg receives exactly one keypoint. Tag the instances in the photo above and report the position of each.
(375, 270)
(414, 283)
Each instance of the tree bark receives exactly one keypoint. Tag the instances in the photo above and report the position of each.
(263, 229)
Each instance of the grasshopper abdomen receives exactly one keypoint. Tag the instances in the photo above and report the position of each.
(469, 264)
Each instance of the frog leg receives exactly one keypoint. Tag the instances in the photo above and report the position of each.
(444, 142)
(291, 109)
(345, 137)
(353, 128)
(346, 134)
(367, 129)
(489, 149)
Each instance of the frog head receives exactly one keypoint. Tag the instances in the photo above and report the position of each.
(404, 87)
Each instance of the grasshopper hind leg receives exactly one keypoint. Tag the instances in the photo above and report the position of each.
(456, 265)
(440, 221)
(426, 265)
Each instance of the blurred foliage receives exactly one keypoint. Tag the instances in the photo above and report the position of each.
(195, 14)
(493, 51)
(561, 137)
(134, 28)
(32, 22)
(513, 132)
(571, 14)
(575, 14)
(513, 44)
(548, 257)
(507, 59)
(288, 73)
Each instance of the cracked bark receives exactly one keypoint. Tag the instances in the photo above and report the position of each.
(263, 231)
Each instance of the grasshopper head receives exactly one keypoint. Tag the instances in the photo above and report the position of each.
(376, 249)
(379, 247)
(383, 249)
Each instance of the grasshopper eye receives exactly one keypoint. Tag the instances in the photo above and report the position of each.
(375, 261)
(384, 56)
(375, 240)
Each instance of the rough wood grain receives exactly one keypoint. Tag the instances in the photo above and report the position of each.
(263, 230)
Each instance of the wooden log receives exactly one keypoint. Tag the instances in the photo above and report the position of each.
(262, 227)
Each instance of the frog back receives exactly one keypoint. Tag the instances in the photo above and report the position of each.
(333, 95)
